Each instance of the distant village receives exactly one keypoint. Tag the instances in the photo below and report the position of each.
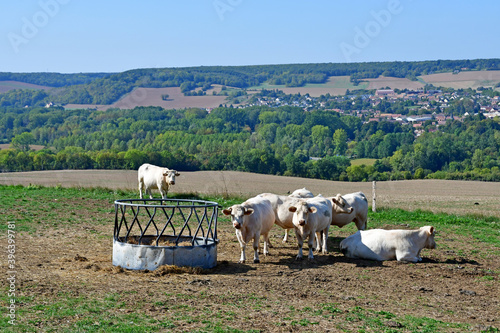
(428, 106)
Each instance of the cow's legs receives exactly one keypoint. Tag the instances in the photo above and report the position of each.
(256, 248)
(300, 243)
(310, 244)
(325, 240)
(140, 189)
(242, 248)
(406, 256)
(266, 244)
(285, 238)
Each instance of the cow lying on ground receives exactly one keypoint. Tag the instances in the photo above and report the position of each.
(251, 219)
(310, 217)
(359, 213)
(379, 244)
(151, 177)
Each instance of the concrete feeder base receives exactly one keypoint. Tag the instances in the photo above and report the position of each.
(140, 257)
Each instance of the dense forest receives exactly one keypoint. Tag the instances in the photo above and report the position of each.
(102, 88)
(283, 141)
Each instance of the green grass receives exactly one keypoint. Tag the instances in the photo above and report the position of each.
(365, 161)
(480, 228)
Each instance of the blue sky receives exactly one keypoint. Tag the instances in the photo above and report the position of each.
(72, 36)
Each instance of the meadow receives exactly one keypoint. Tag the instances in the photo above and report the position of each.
(65, 281)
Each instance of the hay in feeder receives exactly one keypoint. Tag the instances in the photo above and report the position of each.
(169, 242)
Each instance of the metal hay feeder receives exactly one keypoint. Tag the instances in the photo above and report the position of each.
(149, 233)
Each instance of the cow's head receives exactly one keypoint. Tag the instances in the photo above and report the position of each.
(170, 176)
(430, 243)
(301, 213)
(340, 206)
(238, 213)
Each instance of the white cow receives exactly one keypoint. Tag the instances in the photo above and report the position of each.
(339, 208)
(359, 213)
(280, 204)
(151, 176)
(379, 244)
(251, 219)
(302, 193)
(310, 217)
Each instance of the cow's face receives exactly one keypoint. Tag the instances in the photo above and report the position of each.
(340, 206)
(301, 213)
(170, 176)
(430, 243)
(238, 213)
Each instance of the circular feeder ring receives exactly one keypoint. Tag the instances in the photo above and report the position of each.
(149, 233)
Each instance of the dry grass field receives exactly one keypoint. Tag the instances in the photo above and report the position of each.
(463, 80)
(66, 282)
(458, 197)
(394, 83)
(152, 97)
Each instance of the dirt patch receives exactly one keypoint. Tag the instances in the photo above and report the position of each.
(446, 286)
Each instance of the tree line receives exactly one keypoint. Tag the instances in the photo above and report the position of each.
(106, 88)
(282, 141)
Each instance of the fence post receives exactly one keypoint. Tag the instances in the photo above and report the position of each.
(374, 195)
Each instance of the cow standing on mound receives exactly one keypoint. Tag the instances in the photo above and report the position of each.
(151, 177)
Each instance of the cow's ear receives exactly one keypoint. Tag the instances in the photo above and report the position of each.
(248, 211)
(312, 209)
(177, 174)
(335, 201)
(431, 230)
(227, 211)
(292, 209)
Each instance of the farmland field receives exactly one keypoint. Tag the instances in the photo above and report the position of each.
(464, 80)
(66, 282)
(153, 97)
(335, 85)
(10, 85)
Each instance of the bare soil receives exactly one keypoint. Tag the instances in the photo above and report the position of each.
(153, 97)
(457, 282)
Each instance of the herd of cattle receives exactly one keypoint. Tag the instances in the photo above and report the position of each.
(311, 217)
